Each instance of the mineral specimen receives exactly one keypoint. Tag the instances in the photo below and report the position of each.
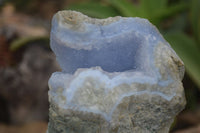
(118, 75)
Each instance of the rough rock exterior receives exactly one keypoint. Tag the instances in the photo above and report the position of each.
(118, 76)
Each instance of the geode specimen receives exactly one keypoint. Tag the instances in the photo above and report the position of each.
(118, 75)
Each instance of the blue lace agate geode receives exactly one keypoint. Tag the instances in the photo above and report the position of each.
(118, 76)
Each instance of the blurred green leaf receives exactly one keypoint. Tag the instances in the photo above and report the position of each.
(188, 52)
(18, 43)
(177, 23)
(94, 9)
(195, 18)
(126, 8)
(152, 7)
(168, 12)
(154, 10)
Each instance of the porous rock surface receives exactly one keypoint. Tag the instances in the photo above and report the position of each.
(118, 75)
